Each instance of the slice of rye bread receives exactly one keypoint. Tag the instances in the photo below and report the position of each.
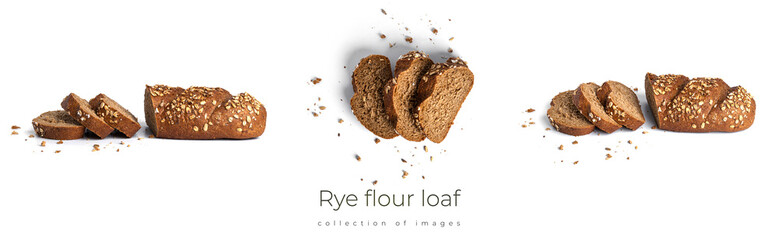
(367, 103)
(699, 104)
(441, 92)
(566, 118)
(660, 91)
(400, 94)
(585, 99)
(115, 115)
(202, 113)
(79, 109)
(57, 125)
(622, 104)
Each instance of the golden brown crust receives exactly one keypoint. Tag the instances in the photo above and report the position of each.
(699, 105)
(79, 109)
(68, 129)
(115, 115)
(203, 113)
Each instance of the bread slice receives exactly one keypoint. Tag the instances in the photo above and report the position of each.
(115, 115)
(79, 109)
(566, 118)
(585, 99)
(441, 92)
(57, 125)
(400, 94)
(203, 113)
(622, 104)
(367, 103)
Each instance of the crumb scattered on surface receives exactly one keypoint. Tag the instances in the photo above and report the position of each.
(383, 36)
(629, 141)
(575, 163)
(423, 177)
(60, 142)
(524, 125)
(530, 110)
(450, 50)
(151, 136)
(315, 114)
(43, 143)
(95, 148)
(430, 158)
(627, 158)
(575, 142)
(403, 160)
(608, 156)
(435, 31)
(548, 129)
(607, 149)
(31, 136)
(636, 147)
(408, 39)
(561, 147)
(531, 123)
(653, 127)
(14, 127)
(405, 174)
(340, 120)
(377, 140)
(635, 89)
(391, 45)
(451, 39)
(358, 158)
(316, 80)
(644, 132)
(117, 150)
(14, 133)
(383, 11)
(375, 182)
(425, 148)
(322, 107)
(58, 151)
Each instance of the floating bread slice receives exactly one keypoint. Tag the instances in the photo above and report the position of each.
(585, 99)
(79, 109)
(441, 92)
(621, 104)
(566, 118)
(115, 115)
(367, 103)
(400, 94)
(57, 125)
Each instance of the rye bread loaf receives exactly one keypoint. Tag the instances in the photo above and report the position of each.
(57, 125)
(698, 105)
(202, 113)
(115, 115)
(622, 104)
(367, 103)
(400, 94)
(585, 99)
(79, 109)
(440, 93)
(566, 118)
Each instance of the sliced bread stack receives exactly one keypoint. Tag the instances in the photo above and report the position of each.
(419, 101)
(101, 115)
(607, 107)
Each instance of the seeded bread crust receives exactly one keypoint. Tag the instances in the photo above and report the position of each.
(115, 115)
(699, 104)
(57, 125)
(79, 109)
(202, 113)
(622, 104)
(566, 118)
(441, 92)
(368, 81)
(400, 94)
(585, 99)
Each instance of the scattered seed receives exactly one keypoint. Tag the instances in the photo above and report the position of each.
(451, 39)
(14, 133)
(529, 110)
(316, 80)
(315, 114)
(382, 36)
(14, 127)
(408, 39)
(405, 174)
(58, 151)
(322, 107)
(340, 120)
(31, 136)
(575, 163)
(644, 132)
(403, 160)
(43, 143)
(629, 141)
(561, 147)
(383, 11)
(377, 140)
(547, 129)
(524, 125)
(575, 142)
(358, 158)
(60, 142)
(375, 182)
(608, 156)
(607, 149)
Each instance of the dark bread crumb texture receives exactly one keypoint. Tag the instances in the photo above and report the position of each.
(565, 117)
(57, 125)
(368, 81)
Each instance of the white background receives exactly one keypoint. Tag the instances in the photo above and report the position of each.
(515, 182)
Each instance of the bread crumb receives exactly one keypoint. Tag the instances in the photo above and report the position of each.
(607, 149)
(524, 125)
(422, 177)
(408, 39)
(405, 174)
(575, 163)
(435, 31)
(383, 11)
(117, 150)
(635, 89)
(636, 147)
(403, 160)
(31, 136)
(361, 179)
(627, 158)
(151, 136)
(340, 120)
(139, 138)
(450, 50)
(608, 156)
(14, 127)
(375, 182)
(315, 114)
(14, 133)
(95, 148)
(383, 36)
(322, 107)
(644, 132)
(529, 110)
(575, 142)
(128, 145)
(377, 140)
(391, 45)
(629, 141)
(316, 80)
(653, 127)
(561, 147)
(451, 39)
(425, 148)
(531, 123)
(548, 129)
(60, 142)
(58, 151)
(43, 143)
(430, 158)
(358, 158)
(121, 143)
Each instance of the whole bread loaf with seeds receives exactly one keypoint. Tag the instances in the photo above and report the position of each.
(698, 105)
(202, 113)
